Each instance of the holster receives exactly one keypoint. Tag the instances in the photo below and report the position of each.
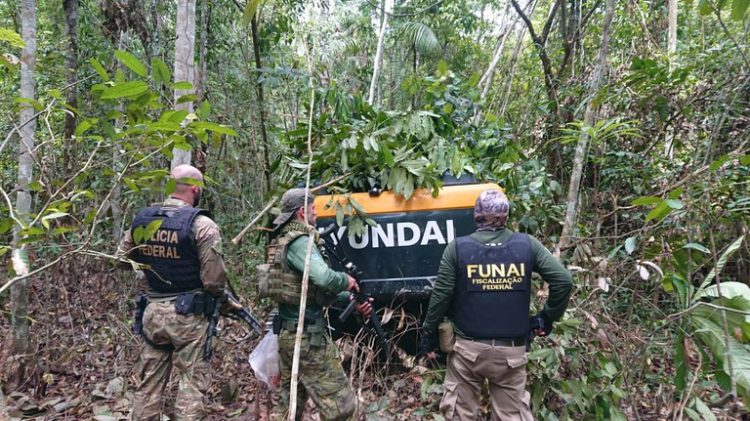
(141, 302)
(196, 303)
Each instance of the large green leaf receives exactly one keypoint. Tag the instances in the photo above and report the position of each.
(739, 7)
(11, 37)
(659, 212)
(160, 71)
(696, 246)
(645, 200)
(421, 37)
(722, 261)
(50, 216)
(728, 289)
(131, 62)
(99, 69)
(250, 10)
(182, 85)
(216, 128)
(737, 355)
(125, 90)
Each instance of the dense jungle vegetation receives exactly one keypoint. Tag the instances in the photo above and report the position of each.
(618, 128)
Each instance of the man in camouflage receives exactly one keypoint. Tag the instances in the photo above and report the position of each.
(321, 376)
(186, 277)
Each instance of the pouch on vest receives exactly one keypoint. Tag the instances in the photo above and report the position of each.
(263, 280)
(316, 334)
(446, 336)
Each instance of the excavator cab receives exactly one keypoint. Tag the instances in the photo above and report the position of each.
(398, 258)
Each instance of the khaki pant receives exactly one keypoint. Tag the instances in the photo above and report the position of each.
(187, 333)
(505, 370)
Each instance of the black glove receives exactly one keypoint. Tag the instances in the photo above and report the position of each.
(427, 342)
(540, 322)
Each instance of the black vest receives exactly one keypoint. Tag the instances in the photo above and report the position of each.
(493, 288)
(171, 252)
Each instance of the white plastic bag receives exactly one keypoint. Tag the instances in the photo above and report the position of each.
(265, 360)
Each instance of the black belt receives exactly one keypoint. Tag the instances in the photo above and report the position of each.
(520, 341)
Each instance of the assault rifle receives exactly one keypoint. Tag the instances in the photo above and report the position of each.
(241, 314)
(359, 297)
(246, 316)
(212, 320)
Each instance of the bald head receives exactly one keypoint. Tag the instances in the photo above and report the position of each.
(187, 176)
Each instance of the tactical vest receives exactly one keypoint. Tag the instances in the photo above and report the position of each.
(284, 284)
(171, 253)
(493, 288)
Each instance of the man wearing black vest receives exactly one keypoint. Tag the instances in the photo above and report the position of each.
(186, 277)
(483, 286)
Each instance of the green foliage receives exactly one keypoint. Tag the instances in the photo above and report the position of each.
(131, 118)
(11, 37)
(143, 233)
(403, 151)
(604, 130)
(131, 62)
(421, 37)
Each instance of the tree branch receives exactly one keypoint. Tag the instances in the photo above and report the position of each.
(540, 42)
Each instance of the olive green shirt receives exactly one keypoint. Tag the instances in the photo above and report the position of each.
(559, 279)
(320, 274)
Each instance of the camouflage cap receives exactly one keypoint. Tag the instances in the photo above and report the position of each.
(292, 200)
(491, 209)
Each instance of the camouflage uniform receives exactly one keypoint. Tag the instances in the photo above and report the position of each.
(321, 375)
(186, 333)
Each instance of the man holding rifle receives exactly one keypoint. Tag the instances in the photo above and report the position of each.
(321, 375)
(186, 278)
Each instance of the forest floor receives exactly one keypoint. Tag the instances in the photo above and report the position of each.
(84, 354)
(85, 351)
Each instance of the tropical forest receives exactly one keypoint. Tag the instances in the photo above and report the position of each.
(619, 131)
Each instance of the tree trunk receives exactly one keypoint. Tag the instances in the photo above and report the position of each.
(71, 64)
(516, 53)
(386, 8)
(540, 41)
(671, 50)
(588, 121)
(19, 295)
(261, 104)
(486, 81)
(114, 200)
(202, 72)
(155, 30)
(184, 64)
(672, 31)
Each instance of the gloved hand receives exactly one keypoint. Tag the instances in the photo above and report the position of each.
(427, 342)
(365, 309)
(229, 306)
(540, 324)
